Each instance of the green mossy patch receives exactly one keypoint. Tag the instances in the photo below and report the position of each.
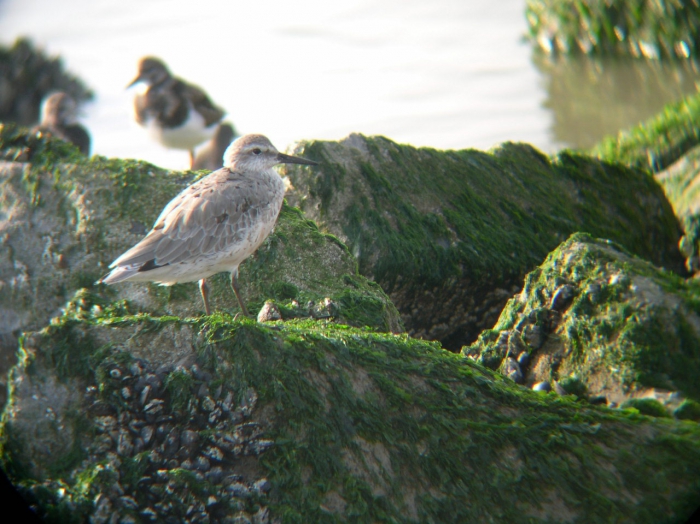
(638, 28)
(365, 427)
(688, 410)
(449, 234)
(613, 321)
(658, 142)
(646, 406)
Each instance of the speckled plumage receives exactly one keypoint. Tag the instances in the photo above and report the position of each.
(214, 224)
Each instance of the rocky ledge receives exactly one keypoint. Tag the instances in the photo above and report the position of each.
(449, 235)
(127, 417)
(599, 323)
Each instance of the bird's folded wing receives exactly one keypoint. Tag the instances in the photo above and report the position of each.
(202, 103)
(206, 218)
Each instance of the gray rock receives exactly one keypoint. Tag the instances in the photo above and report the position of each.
(269, 312)
(511, 369)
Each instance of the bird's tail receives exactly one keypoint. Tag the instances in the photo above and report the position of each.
(119, 274)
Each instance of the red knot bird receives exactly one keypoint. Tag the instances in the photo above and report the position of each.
(58, 119)
(177, 114)
(210, 157)
(214, 224)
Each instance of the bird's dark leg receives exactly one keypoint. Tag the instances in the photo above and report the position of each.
(204, 290)
(234, 286)
(191, 158)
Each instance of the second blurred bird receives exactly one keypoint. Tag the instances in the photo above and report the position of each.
(58, 119)
(211, 156)
(177, 114)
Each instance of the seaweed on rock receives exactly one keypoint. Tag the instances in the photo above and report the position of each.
(614, 324)
(307, 421)
(449, 235)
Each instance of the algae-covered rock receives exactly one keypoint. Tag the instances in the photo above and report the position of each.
(27, 75)
(132, 418)
(66, 217)
(638, 28)
(597, 315)
(658, 142)
(449, 235)
(646, 406)
(681, 182)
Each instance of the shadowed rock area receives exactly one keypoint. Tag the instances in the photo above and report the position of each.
(601, 323)
(449, 235)
(142, 419)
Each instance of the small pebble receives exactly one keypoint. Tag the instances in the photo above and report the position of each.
(269, 312)
(542, 386)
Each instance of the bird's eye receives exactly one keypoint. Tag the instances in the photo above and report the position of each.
(256, 151)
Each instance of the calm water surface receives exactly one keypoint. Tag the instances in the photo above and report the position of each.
(445, 73)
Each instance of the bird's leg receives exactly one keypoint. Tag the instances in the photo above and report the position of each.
(234, 286)
(204, 290)
(191, 158)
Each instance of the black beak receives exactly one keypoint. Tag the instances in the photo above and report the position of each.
(134, 81)
(289, 159)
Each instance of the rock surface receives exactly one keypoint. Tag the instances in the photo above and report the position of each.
(601, 323)
(449, 235)
(133, 418)
(681, 182)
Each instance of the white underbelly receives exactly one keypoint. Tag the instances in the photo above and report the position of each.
(187, 136)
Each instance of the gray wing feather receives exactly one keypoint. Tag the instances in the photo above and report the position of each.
(210, 216)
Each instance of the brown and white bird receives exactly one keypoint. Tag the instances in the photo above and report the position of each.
(177, 114)
(214, 224)
(211, 156)
(58, 119)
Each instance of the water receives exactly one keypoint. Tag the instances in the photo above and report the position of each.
(445, 73)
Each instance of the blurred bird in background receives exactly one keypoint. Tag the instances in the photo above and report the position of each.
(59, 119)
(211, 156)
(177, 114)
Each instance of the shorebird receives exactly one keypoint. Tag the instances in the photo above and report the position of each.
(214, 224)
(177, 114)
(211, 156)
(58, 118)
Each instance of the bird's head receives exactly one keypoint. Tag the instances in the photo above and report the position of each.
(256, 152)
(58, 108)
(152, 71)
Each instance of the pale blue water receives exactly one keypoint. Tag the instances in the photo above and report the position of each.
(445, 73)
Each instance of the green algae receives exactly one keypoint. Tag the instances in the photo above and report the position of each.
(628, 325)
(658, 142)
(637, 28)
(688, 410)
(393, 430)
(449, 233)
(646, 406)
